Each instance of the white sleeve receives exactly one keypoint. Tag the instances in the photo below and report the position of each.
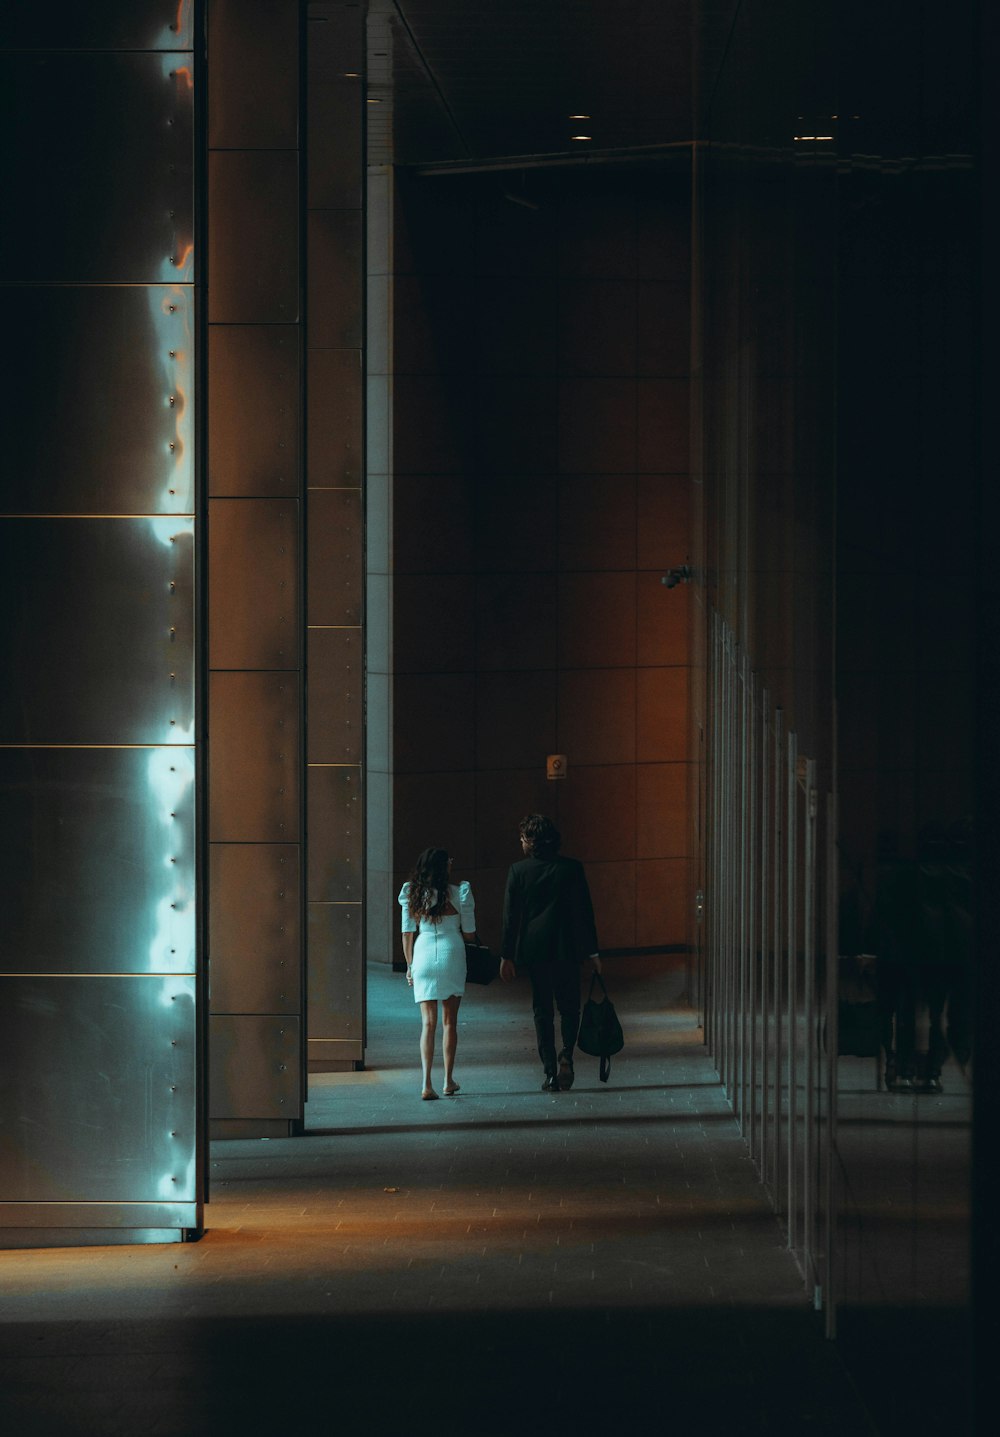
(467, 908)
(408, 924)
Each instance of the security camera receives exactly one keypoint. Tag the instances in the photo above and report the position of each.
(673, 577)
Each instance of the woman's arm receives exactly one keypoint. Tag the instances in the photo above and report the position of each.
(469, 937)
(408, 955)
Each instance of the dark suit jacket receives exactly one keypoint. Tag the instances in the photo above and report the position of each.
(547, 912)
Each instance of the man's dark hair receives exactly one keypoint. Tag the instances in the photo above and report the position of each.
(540, 834)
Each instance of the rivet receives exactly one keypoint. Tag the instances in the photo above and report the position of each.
(172, 398)
(172, 353)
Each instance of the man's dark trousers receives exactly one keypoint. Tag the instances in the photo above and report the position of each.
(555, 980)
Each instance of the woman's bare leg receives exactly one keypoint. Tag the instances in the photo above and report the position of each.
(428, 1017)
(449, 1042)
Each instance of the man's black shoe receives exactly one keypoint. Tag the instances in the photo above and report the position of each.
(551, 1084)
(566, 1074)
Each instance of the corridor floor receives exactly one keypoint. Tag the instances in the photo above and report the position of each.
(503, 1261)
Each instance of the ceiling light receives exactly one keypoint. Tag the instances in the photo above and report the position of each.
(581, 137)
(578, 117)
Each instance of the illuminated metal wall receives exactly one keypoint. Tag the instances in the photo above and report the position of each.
(100, 1133)
(255, 385)
(285, 552)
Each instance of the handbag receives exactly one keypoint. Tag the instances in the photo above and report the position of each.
(481, 966)
(600, 1031)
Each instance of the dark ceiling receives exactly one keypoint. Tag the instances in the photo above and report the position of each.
(468, 82)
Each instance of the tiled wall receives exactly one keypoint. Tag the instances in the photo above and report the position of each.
(540, 491)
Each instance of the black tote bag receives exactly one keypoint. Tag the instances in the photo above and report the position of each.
(600, 1031)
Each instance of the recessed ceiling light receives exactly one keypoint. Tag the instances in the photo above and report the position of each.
(373, 101)
(581, 137)
(578, 117)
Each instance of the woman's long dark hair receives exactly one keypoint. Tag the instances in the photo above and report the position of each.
(428, 896)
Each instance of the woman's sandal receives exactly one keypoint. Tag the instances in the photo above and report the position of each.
(428, 1095)
(451, 1089)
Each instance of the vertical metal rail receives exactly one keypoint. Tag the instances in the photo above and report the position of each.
(743, 820)
(810, 1026)
(791, 942)
(765, 935)
(832, 1049)
(726, 871)
(779, 916)
(752, 911)
(711, 833)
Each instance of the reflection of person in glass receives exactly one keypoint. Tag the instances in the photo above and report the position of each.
(923, 937)
(438, 919)
(548, 929)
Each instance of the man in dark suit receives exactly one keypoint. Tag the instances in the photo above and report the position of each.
(548, 930)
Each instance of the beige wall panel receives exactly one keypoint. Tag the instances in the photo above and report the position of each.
(597, 621)
(530, 500)
(253, 237)
(253, 417)
(334, 439)
(253, 767)
(503, 797)
(434, 727)
(335, 543)
(612, 888)
(597, 521)
(336, 695)
(433, 810)
(335, 279)
(434, 323)
(662, 901)
(254, 1066)
(608, 791)
(661, 810)
(253, 584)
(427, 424)
(597, 716)
(433, 524)
(516, 621)
(253, 55)
(597, 327)
(335, 155)
(662, 426)
(663, 334)
(661, 715)
(516, 326)
(335, 963)
(515, 719)
(517, 429)
(335, 822)
(254, 928)
(597, 426)
(663, 621)
(663, 515)
(442, 605)
(598, 241)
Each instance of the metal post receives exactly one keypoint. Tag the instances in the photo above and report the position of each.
(742, 930)
(778, 941)
(791, 942)
(810, 1025)
(832, 1050)
(765, 937)
(752, 902)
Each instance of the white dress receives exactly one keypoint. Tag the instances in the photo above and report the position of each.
(439, 950)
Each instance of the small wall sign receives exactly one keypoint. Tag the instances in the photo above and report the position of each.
(555, 765)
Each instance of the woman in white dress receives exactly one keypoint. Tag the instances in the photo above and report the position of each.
(438, 919)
